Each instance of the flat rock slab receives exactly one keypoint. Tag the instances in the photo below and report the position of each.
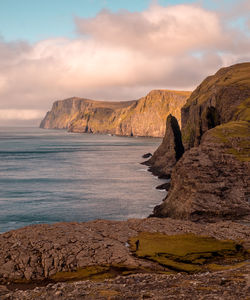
(228, 285)
(37, 253)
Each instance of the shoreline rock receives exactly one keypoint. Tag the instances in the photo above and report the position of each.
(38, 253)
(169, 152)
(210, 182)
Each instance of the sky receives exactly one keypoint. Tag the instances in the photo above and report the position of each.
(112, 49)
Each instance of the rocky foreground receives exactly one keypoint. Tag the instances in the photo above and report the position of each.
(99, 260)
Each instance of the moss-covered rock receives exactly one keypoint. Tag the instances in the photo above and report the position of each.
(235, 138)
(186, 252)
(219, 99)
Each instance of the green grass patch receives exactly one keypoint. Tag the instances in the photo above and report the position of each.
(236, 137)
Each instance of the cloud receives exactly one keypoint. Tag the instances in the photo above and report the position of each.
(21, 114)
(165, 31)
(119, 56)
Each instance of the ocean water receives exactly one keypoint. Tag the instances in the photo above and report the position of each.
(49, 176)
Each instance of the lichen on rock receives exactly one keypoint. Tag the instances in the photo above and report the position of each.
(187, 252)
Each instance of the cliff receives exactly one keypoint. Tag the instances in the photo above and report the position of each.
(170, 150)
(211, 180)
(219, 99)
(143, 117)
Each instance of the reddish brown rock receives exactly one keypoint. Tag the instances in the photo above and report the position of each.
(231, 284)
(39, 252)
(211, 180)
(209, 183)
(34, 254)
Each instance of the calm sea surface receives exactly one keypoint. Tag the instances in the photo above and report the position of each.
(49, 176)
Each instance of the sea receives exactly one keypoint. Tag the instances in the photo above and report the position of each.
(49, 176)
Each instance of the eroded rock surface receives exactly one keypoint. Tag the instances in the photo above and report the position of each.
(228, 284)
(209, 183)
(37, 254)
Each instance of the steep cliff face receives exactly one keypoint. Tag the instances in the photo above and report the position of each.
(211, 180)
(219, 99)
(63, 112)
(143, 117)
(170, 150)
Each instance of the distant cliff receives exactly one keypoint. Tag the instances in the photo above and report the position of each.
(211, 180)
(143, 117)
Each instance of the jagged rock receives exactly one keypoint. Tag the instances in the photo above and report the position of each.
(143, 117)
(147, 155)
(170, 150)
(164, 186)
(211, 180)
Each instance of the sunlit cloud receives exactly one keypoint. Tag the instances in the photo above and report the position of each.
(119, 56)
(21, 114)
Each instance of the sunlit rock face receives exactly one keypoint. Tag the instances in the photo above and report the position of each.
(143, 117)
(211, 180)
(219, 99)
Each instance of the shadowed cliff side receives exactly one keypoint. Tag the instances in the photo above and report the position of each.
(211, 180)
(169, 152)
(143, 117)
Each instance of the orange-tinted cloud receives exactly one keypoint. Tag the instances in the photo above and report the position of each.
(120, 56)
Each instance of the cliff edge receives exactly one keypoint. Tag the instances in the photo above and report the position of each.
(211, 180)
(143, 117)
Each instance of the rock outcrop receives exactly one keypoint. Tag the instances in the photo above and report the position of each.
(99, 250)
(143, 117)
(211, 180)
(229, 284)
(219, 99)
(169, 152)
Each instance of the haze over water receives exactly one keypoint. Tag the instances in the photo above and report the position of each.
(49, 176)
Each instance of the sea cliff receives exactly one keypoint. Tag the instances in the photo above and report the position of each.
(211, 180)
(143, 117)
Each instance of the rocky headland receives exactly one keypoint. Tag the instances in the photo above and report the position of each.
(210, 181)
(143, 117)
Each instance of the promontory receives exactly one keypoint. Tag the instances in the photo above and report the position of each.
(143, 117)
